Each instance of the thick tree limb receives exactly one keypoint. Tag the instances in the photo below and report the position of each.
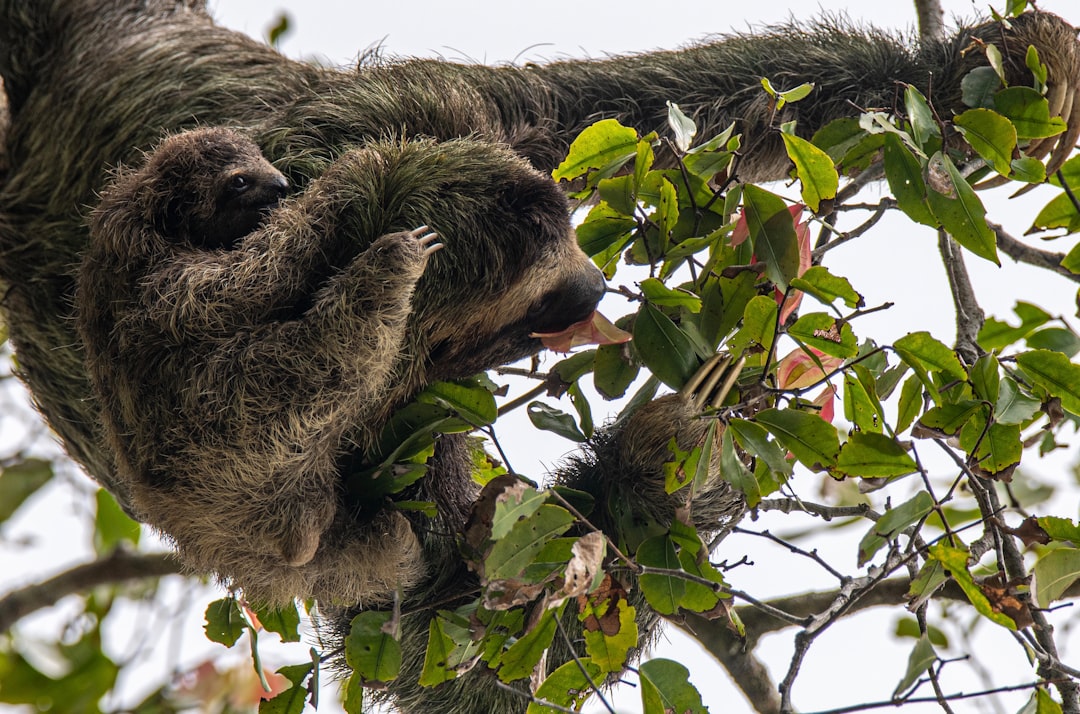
(931, 19)
(737, 656)
(116, 568)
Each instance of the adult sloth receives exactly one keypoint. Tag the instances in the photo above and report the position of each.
(93, 83)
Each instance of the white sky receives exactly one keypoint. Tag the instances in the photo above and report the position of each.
(855, 661)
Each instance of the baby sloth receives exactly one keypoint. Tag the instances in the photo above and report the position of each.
(216, 187)
(230, 357)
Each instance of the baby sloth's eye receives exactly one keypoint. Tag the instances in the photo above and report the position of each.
(238, 183)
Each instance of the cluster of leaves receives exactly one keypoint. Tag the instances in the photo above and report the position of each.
(728, 266)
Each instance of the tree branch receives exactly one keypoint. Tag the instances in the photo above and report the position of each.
(1023, 253)
(931, 19)
(969, 316)
(115, 568)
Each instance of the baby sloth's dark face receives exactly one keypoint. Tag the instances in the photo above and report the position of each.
(245, 194)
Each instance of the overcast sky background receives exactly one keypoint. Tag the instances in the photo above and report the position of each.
(855, 661)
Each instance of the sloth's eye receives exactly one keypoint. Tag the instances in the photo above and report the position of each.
(238, 183)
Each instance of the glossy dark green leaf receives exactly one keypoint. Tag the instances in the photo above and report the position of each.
(659, 294)
(1029, 112)
(666, 689)
(437, 656)
(735, 472)
(551, 419)
(978, 87)
(759, 325)
(812, 440)
(754, 439)
(613, 371)
(224, 622)
(1013, 405)
(960, 210)
(772, 231)
(663, 592)
(664, 348)
(904, 173)
(470, 401)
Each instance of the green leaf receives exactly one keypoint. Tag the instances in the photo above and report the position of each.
(285, 621)
(603, 228)
(659, 294)
(921, 351)
(353, 694)
(613, 372)
(814, 169)
(294, 699)
(759, 325)
(470, 401)
(950, 418)
(922, 657)
(955, 561)
(224, 622)
(551, 419)
(373, 653)
(437, 656)
(510, 555)
(978, 86)
(666, 689)
(1028, 170)
(871, 455)
(1058, 339)
(603, 146)
(663, 592)
(111, 525)
(861, 405)
(986, 378)
(664, 348)
(991, 135)
(514, 504)
(609, 651)
(734, 471)
(996, 334)
(821, 330)
(812, 440)
(1061, 529)
(1059, 213)
(921, 117)
(960, 211)
(998, 446)
(1056, 374)
(772, 231)
(519, 660)
(754, 439)
(1029, 112)
(1054, 573)
(826, 287)
(1013, 406)
(892, 522)
(567, 687)
(19, 481)
(904, 172)
(910, 403)
(698, 597)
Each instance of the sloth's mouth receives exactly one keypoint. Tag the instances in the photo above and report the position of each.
(593, 330)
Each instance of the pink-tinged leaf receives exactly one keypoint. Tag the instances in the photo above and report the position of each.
(826, 400)
(798, 369)
(802, 234)
(593, 330)
(742, 229)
